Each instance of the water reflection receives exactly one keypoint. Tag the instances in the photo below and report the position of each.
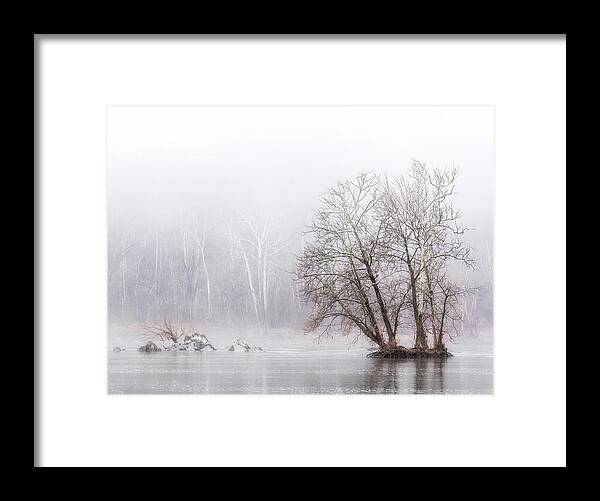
(407, 376)
(339, 372)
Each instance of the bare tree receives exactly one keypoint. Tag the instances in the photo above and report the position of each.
(202, 247)
(424, 232)
(258, 244)
(191, 253)
(376, 249)
(342, 270)
(165, 331)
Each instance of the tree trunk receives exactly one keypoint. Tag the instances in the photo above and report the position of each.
(207, 281)
(366, 305)
(440, 343)
(436, 340)
(382, 307)
(251, 285)
(264, 290)
(420, 338)
(392, 345)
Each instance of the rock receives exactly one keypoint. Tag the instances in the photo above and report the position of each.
(149, 347)
(199, 346)
(240, 345)
(116, 349)
(195, 342)
(199, 342)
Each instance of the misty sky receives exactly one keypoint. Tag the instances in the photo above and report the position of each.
(164, 161)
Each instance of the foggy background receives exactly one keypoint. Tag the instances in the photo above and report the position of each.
(186, 185)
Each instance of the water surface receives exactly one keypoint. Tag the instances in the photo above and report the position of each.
(295, 372)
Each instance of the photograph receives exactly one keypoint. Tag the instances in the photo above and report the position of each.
(300, 249)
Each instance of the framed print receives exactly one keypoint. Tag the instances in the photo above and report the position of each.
(299, 250)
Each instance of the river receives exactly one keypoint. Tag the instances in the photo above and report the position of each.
(333, 371)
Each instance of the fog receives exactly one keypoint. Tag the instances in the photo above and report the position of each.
(182, 176)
